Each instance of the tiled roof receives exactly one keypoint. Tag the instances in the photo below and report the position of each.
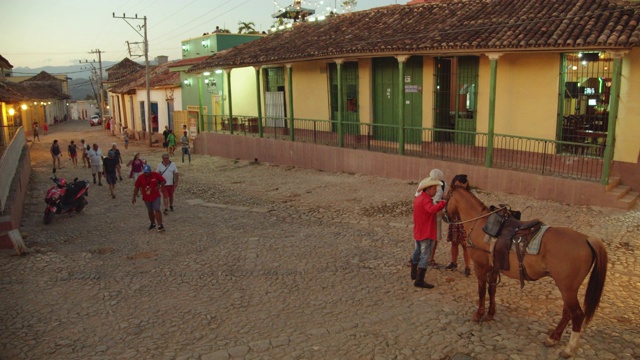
(42, 76)
(40, 91)
(122, 70)
(11, 92)
(188, 62)
(4, 63)
(447, 27)
(160, 76)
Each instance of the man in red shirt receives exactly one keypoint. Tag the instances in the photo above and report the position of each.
(149, 183)
(424, 229)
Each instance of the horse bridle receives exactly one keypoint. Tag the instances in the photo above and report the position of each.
(445, 214)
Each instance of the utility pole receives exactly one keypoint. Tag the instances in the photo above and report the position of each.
(92, 78)
(146, 62)
(104, 121)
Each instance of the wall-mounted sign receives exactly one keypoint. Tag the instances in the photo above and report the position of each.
(412, 88)
(407, 78)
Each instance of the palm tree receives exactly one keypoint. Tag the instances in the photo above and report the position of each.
(349, 5)
(247, 27)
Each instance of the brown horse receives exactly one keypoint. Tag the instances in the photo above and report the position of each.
(565, 255)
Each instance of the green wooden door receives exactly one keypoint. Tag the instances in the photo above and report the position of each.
(350, 109)
(465, 114)
(413, 100)
(455, 98)
(385, 98)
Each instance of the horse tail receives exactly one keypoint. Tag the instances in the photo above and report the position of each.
(597, 278)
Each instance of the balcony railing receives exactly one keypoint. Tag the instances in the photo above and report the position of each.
(578, 160)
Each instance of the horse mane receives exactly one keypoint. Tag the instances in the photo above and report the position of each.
(471, 195)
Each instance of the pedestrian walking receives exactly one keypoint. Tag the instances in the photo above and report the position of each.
(154, 122)
(36, 134)
(125, 137)
(95, 157)
(118, 156)
(84, 148)
(184, 140)
(45, 128)
(149, 183)
(137, 166)
(56, 154)
(109, 166)
(169, 172)
(73, 153)
(456, 234)
(424, 229)
(165, 134)
(171, 139)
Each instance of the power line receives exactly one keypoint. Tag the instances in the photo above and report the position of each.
(173, 34)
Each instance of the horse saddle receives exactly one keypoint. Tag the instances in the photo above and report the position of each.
(509, 230)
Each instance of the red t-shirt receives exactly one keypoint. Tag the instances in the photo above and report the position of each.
(424, 217)
(150, 186)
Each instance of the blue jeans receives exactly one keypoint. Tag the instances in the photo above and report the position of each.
(185, 151)
(422, 253)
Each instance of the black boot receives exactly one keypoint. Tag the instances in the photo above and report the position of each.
(414, 271)
(420, 280)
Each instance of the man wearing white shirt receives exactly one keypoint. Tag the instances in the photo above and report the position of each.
(169, 172)
(95, 158)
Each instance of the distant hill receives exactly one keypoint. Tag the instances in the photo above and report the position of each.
(81, 89)
(79, 75)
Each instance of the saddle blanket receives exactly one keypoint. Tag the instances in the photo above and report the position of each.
(534, 245)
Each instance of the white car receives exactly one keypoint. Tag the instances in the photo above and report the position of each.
(95, 120)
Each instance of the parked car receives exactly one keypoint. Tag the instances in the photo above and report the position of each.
(95, 120)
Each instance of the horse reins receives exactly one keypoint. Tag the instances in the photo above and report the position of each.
(475, 218)
(470, 220)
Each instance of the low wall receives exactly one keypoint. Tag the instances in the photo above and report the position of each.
(12, 214)
(334, 159)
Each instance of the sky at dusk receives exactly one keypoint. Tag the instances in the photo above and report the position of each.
(38, 33)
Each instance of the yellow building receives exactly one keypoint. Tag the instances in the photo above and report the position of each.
(525, 86)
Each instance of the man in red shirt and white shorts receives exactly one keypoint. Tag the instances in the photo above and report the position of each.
(149, 183)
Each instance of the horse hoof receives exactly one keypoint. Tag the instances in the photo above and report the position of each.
(549, 342)
(488, 318)
(476, 317)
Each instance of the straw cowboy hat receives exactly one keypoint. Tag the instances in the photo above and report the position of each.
(428, 182)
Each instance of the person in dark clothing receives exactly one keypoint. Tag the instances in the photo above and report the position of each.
(73, 153)
(118, 156)
(56, 154)
(109, 165)
(165, 143)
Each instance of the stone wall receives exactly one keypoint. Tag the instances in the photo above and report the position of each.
(328, 158)
(12, 215)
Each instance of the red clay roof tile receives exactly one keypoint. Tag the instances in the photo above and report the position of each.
(440, 27)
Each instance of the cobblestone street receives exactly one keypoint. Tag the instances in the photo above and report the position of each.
(268, 262)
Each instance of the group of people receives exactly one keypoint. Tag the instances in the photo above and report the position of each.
(427, 227)
(154, 185)
(170, 142)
